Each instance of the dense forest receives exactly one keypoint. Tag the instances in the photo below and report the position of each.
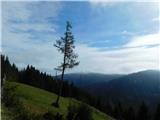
(31, 76)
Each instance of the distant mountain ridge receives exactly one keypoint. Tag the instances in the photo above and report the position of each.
(135, 87)
(86, 79)
(143, 79)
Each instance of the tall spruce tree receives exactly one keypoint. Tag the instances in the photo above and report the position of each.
(66, 47)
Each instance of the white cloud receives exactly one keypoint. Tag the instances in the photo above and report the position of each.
(117, 61)
(156, 19)
(151, 39)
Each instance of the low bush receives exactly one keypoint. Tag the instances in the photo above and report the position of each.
(9, 98)
(81, 112)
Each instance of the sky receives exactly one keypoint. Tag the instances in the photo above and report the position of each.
(110, 36)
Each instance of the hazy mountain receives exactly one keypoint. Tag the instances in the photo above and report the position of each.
(86, 79)
(136, 87)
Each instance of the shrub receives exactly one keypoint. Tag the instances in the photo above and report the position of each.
(81, 112)
(9, 98)
(50, 116)
(11, 101)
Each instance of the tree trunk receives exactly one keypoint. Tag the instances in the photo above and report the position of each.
(61, 82)
(60, 89)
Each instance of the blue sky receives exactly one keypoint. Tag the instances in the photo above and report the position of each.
(107, 34)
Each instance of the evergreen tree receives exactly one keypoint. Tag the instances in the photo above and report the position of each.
(109, 108)
(129, 114)
(8, 71)
(143, 113)
(157, 114)
(66, 46)
(3, 76)
(99, 103)
(118, 111)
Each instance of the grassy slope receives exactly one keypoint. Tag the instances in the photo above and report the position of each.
(39, 101)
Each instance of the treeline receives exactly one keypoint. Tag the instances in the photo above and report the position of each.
(120, 111)
(31, 76)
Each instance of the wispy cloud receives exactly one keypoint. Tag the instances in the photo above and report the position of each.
(38, 27)
(120, 60)
(16, 9)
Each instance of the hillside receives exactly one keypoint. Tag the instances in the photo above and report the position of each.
(135, 87)
(39, 101)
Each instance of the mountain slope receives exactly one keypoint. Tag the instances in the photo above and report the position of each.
(39, 101)
(136, 87)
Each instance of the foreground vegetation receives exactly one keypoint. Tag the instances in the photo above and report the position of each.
(38, 103)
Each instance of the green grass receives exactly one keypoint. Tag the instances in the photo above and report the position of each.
(39, 101)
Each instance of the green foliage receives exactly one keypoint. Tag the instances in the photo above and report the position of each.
(12, 104)
(48, 116)
(9, 98)
(84, 113)
(6, 113)
(81, 112)
(66, 46)
(72, 109)
(9, 71)
(58, 116)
